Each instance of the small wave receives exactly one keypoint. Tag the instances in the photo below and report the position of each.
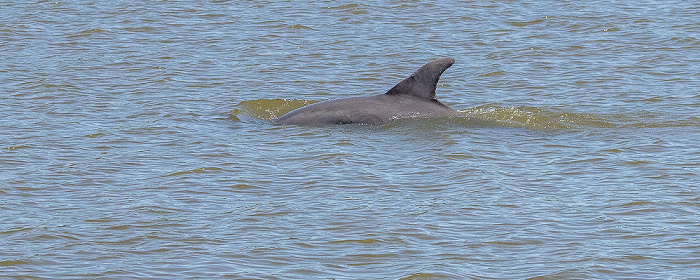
(267, 109)
(535, 117)
(530, 117)
(195, 171)
(487, 115)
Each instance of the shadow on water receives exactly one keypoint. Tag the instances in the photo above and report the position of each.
(535, 118)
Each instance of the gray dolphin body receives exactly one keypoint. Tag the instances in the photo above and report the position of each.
(414, 97)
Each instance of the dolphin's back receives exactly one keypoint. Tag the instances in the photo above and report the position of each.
(371, 110)
(411, 98)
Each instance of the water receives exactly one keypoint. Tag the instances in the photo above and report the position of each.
(136, 142)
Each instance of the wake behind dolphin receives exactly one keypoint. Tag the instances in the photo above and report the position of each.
(414, 97)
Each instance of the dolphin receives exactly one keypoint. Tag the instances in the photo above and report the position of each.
(414, 97)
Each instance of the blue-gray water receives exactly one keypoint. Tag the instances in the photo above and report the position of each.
(136, 142)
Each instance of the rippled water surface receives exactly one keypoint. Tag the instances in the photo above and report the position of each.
(136, 141)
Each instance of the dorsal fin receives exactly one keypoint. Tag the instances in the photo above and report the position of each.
(422, 83)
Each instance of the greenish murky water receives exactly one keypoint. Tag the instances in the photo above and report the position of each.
(136, 141)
